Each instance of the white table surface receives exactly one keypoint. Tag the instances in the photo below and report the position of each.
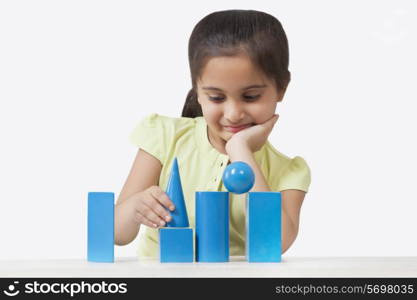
(237, 267)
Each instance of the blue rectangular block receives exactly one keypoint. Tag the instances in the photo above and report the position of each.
(176, 244)
(100, 236)
(263, 227)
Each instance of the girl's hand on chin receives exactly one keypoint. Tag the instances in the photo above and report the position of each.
(252, 138)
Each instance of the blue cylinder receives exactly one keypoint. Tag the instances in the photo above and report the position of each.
(212, 226)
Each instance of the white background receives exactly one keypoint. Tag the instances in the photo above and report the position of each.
(77, 76)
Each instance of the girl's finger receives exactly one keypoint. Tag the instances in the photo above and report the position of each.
(162, 197)
(147, 211)
(157, 208)
(274, 118)
(160, 211)
(141, 219)
(271, 120)
(270, 123)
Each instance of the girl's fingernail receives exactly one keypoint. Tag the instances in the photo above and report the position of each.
(167, 218)
(162, 223)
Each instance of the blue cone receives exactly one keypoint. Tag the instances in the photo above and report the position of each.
(174, 192)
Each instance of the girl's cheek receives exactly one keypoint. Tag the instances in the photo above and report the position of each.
(213, 113)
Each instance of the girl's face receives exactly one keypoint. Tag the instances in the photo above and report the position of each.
(234, 95)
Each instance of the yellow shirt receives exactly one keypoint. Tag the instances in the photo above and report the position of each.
(201, 168)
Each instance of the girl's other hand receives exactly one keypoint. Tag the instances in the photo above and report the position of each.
(150, 207)
(253, 137)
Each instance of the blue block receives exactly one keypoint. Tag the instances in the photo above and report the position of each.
(174, 191)
(263, 227)
(100, 236)
(238, 177)
(176, 244)
(212, 226)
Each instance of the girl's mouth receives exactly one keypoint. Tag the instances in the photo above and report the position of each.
(235, 129)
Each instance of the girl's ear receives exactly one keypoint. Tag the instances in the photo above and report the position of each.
(197, 98)
(282, 92)
(281, 95)
(195, 94)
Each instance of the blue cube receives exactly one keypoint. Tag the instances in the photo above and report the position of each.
(263, 227)
(176, 244)
(100, 235)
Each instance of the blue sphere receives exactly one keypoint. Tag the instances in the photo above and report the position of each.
(238, 177)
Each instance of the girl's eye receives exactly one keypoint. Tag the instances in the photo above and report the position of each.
(248, 98)
(252, 97)
(216, 98)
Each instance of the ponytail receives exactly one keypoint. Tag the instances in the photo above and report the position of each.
(191, 107)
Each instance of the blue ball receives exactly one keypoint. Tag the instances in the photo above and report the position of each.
(238, 177)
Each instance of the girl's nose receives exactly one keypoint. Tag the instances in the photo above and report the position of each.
(234, 112)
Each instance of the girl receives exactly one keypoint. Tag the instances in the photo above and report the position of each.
(239, 70)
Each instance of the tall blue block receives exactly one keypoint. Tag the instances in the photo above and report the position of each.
(263, 227)
(212, 226)
(100, 236)
(176, 244)
(174, 192)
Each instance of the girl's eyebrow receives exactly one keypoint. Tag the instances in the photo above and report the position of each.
(212, 88)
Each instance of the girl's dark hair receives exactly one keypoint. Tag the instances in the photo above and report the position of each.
(231, 32)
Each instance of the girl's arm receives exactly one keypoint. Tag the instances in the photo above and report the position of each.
(291, 199)
(240, 148)
(291, 205)
(144, 173)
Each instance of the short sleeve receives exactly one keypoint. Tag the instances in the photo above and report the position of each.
(152, 136)
(296, 175)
